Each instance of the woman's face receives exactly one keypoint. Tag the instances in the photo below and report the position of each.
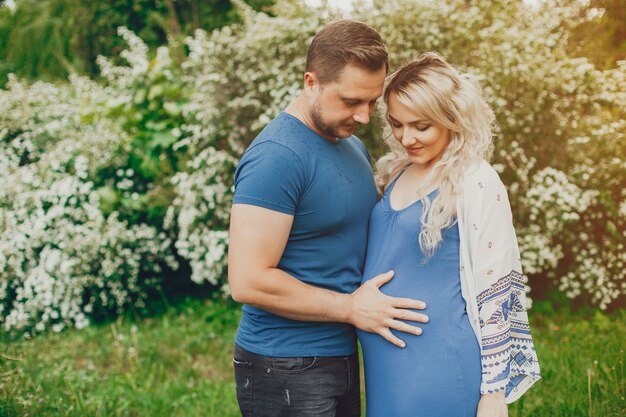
(423, 141)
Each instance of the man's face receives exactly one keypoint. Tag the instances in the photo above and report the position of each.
(339, 107)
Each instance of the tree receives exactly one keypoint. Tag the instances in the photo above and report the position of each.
(50, 39)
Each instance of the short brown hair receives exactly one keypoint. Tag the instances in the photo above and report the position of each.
(345, 42)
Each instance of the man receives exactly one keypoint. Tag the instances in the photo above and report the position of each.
(303, 194)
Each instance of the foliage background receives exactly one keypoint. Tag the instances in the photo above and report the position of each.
(52, 39)
(117, 188)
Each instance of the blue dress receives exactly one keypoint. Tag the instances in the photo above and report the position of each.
(438, 373)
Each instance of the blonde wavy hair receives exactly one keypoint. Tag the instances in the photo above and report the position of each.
(433, 89)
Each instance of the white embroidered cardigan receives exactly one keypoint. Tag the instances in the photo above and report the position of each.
(492, 285)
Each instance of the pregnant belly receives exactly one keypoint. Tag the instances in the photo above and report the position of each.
(438, 376)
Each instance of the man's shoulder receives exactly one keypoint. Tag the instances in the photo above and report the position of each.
(360, 145)
(272, 154)
(356, 140)
(282, 131)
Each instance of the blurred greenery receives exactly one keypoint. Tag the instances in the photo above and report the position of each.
(50, 39)
(603, 38)
(152, 114)
(178, 364)
(174, 365)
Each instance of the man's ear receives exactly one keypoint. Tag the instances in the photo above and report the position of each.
(311, 83)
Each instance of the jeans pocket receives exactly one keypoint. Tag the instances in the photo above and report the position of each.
(291, 365)
(244, 378)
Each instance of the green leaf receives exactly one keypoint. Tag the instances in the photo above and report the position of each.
(140, 96)
(164, 139)
(173, 109)
(155, 91)
(151, 125)
(109, 199)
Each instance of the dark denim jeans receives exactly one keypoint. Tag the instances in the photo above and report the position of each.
(323, 386)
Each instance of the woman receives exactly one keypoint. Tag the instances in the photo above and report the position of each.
(444, 226)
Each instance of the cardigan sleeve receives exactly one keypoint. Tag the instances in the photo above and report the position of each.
(508, 357)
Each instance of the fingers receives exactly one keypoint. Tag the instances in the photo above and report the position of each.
(401, 327)
(411, 316)
(390, 337)
(408, 303)
(380, 280)
(404, 327)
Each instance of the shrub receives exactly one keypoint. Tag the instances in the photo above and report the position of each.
(62, 262)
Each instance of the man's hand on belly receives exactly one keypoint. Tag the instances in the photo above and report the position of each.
(375, 312)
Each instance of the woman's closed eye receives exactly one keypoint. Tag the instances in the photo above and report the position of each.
(421, 128)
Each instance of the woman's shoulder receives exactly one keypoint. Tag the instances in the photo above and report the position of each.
(393, 176)
(482, 175)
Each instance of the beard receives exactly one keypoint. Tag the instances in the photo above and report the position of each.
(339, 130)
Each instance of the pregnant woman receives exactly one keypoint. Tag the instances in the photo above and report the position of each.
(444, 225)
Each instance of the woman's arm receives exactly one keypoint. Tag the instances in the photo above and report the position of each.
(508, 356)
(492, 405)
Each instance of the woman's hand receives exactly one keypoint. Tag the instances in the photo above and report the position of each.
(492, 405)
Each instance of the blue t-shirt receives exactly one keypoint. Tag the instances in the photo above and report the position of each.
(329, 189)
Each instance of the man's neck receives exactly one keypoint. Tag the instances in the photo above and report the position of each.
(299, 110)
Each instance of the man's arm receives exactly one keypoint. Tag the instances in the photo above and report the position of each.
(257, 240)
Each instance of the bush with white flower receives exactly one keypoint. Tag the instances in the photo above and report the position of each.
(63, 260)
(200, 213)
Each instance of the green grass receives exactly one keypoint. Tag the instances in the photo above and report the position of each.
(582, 364)
(176, 365)
(179, 364)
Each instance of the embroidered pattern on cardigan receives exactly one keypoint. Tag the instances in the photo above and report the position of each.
(508, 355)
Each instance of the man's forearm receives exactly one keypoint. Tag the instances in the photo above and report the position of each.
(367, 308)
(278, 292)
